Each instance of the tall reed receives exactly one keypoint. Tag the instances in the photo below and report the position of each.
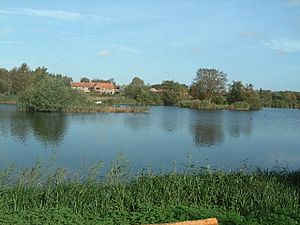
(250, 195)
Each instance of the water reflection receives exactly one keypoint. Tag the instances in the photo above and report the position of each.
(240, 123)
(19, 126)
(157, 138)
(48, 128)
(208, 129)
(170, 119)
(137, 122)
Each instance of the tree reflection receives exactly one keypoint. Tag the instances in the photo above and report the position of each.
(4, 124)
(137, 121)
(170, 118)
(208, 129)
(49, 128)
(239, 123)
(19, 126)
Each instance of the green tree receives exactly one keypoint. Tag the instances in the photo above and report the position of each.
(49, 94)
(236, 93)
(134, 89)
(5, 81)
(252, 97)
(85, 80)
(265, 97)
(145, 97)
(173, 92)
(137, 82)
(22, 78)
(209, 84)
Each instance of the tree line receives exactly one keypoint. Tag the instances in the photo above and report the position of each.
(209, 88)
(18, 79)
(37, 90)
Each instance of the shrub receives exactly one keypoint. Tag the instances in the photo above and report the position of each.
(46, 95)
(241, 106)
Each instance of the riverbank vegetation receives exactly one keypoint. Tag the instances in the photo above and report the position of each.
(40, 91)
(37, 195)
(8, 99)
(209, 90)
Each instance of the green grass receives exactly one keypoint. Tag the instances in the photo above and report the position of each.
(206, 105)
(10, 99)
(38, 196)
(199, 104)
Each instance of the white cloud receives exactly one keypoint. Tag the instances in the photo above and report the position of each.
(284, 45)
(54, 14)
(105, 53)
(126, 49)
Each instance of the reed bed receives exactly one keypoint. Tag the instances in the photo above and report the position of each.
(11, 99)
(105, 109)
(206, 105)
(199, 104)
(35, 195)
(240, 106)
(92, 108)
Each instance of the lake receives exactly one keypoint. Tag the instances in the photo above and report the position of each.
(226, 140)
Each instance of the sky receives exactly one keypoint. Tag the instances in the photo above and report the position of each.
(252, 41)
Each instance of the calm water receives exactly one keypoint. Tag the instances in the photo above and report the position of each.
(223, 139)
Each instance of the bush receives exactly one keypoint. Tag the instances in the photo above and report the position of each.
(46, 95)
(240, 106)
(198, 104)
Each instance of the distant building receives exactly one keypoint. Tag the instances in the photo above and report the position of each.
(105, 88)
(100, 87)
(154, 90)
(81, 86)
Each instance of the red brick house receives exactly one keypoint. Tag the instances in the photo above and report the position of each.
(101, 88)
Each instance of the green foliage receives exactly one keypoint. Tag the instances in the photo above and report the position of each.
(8, 99)
(46, 95)
(84, 80)
(134, 89)
(19, 79)
(236, 93)
(173, 92)
(39, 196)
(208, 84)
(198, 104)
(240, 106)
(243, 97)
(145, 97)
(282, 99)
(252, 97)
(139, 92)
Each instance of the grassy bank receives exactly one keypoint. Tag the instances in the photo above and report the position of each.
(80, 103)
(104, 109)
(10, 99)
(35, 196)
(206, 105)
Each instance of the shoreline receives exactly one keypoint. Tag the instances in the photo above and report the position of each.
(123, 198)
(8, 102)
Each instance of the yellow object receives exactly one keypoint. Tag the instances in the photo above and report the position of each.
(212, 221)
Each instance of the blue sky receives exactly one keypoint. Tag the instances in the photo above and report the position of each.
(251, 40)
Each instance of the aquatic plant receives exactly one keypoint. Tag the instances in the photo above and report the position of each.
(119, 197)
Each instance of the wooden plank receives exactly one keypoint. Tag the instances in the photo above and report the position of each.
(212, 221)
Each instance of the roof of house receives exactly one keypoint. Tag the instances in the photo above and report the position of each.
(82, 84)
(105, 85)
(93, 85)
